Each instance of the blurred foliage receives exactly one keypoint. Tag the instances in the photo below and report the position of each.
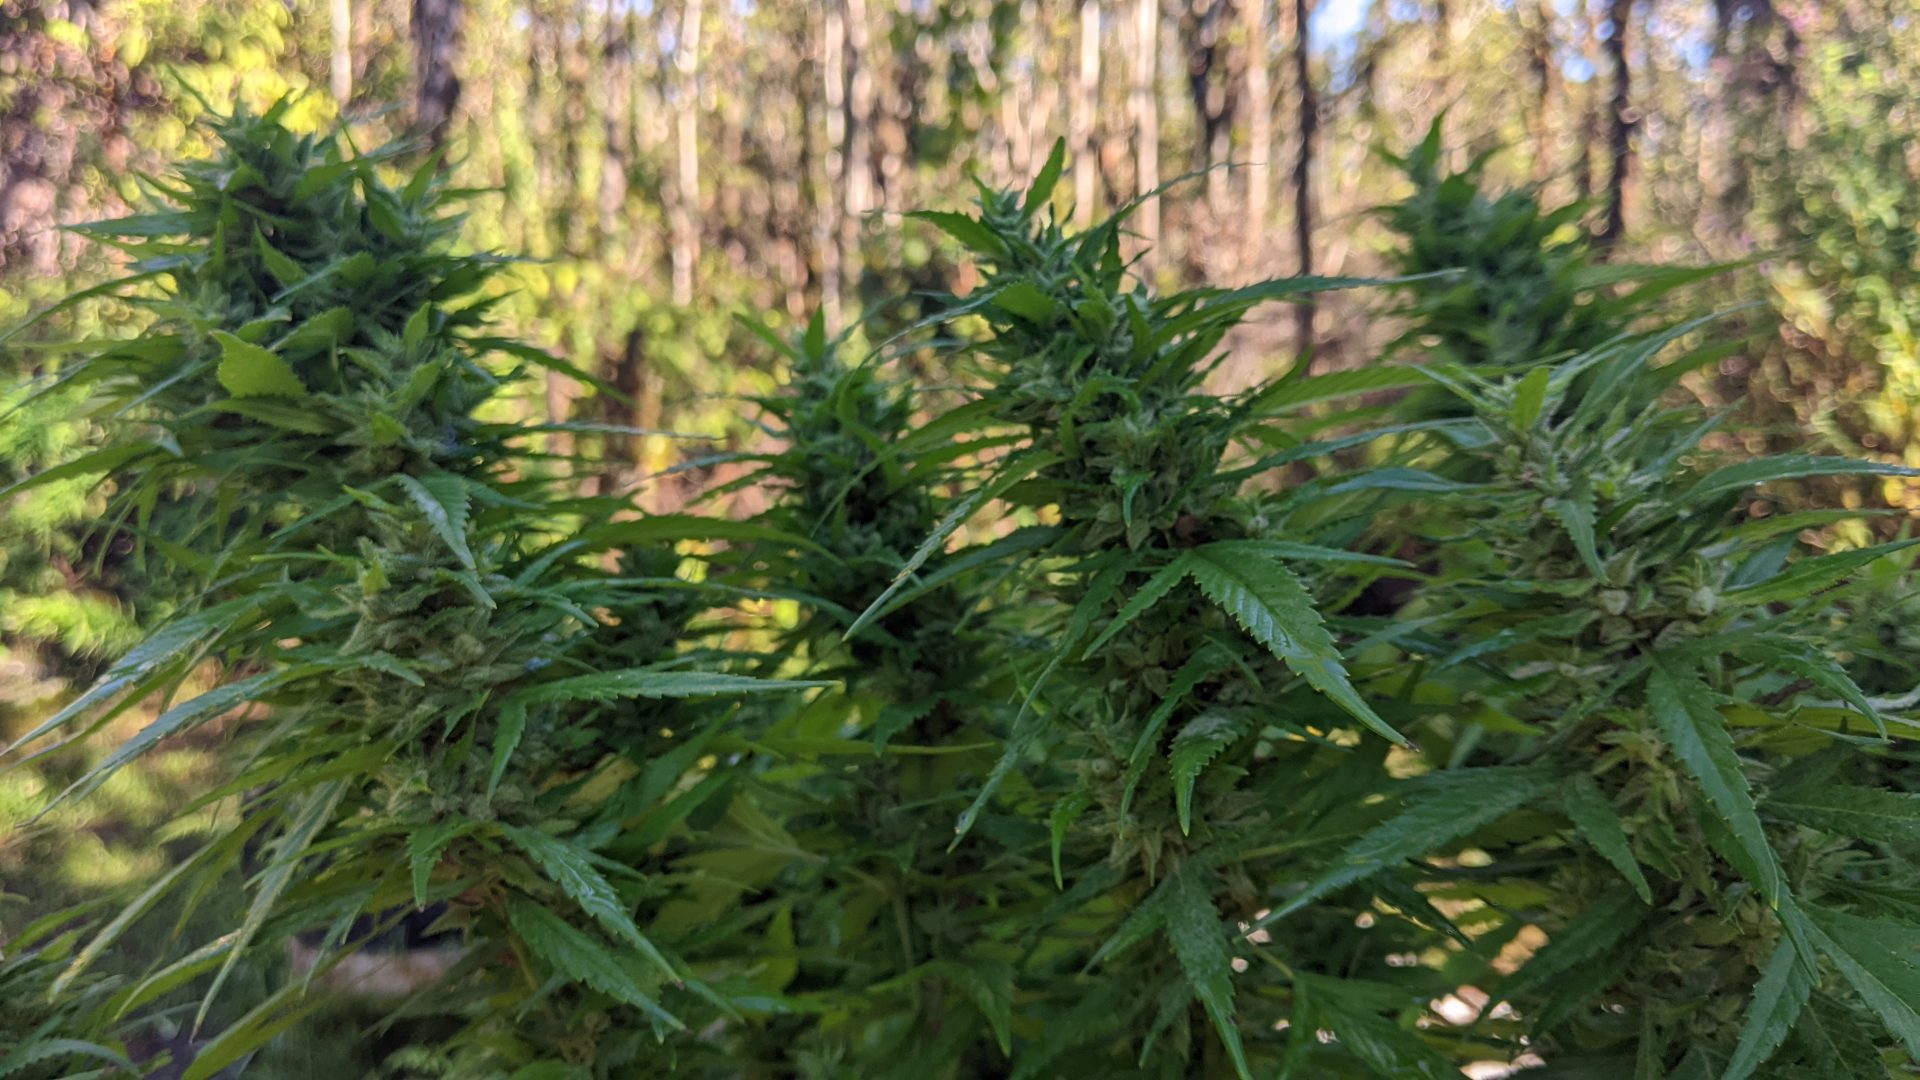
(1846, 215)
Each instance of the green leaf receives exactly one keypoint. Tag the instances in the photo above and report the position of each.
(969, 231)
(1799, 658)
(1805, 577)
(1880, 960)
(251, 371)
(1270, 603)
(1593, 934)
(1200, 944)
(417, 326)
(1149, 594)
(1027, 300)
(962, 509)
(1529, 397)
(1875, 814)
(1351, 1010)
(261, 1024)
(444, 499)
(314, 814)
(813, 342)
(1777, 1003)
(990, 988)
(1198, 668)
(1198, 743)
(572, 869)
(329, 328)
(1745, 474)
(1397, 478)
(148, 663)
(508, 731)
(184, 716)
(1065, 813)
(1299, 389)
(578, 957)
(281, 413)
(672, 528)
(423, 852)
(99, 461)
(39, 1049)
(655, 683)
(1043, 184)
(1575, 514)
(284, 270)
(1596, 820)
(1442, 808)
(1690, 721)
(551, 1070)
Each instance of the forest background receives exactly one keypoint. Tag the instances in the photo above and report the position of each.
(664, 166)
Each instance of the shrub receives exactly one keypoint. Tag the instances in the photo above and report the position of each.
(1133, 786)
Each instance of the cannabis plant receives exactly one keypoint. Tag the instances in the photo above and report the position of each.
(1182, 678)
(1661, 745)
(1139, 782)
(1526, 285)
(410, 648)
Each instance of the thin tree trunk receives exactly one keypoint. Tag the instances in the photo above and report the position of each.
(1620, 123)
(858, 148)
(436, 48)
(1259, 130)
(1546, 72)
(1086, 103)
(833, 55)
(686, 225)
(1213, 102)
(1589, 99)
(340, 69)
(1146, 115)
(1303, 164)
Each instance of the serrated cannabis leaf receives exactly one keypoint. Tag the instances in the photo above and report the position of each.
(969, 231)
(1689, 719)
(1880, 959)
(1268, 601)
(1597, 821)
(574, 955)
(1197, 744)
(444, 500)
(572, 869)
(1887, 817)
(424, 848)
(1442, 808)
(1200, 944)
(1777, 1002)
(251, 371)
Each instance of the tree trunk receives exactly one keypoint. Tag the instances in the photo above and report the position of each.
(340, 68)
(1146, 116)
(1259, 131)
(686, 223)
(833, 65)
(1303, 164)
(858, 147)
(1210, 86)
(1546, 73)
(436, 49)
(1620, 123)
(1082, 133)
(1589, 132)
